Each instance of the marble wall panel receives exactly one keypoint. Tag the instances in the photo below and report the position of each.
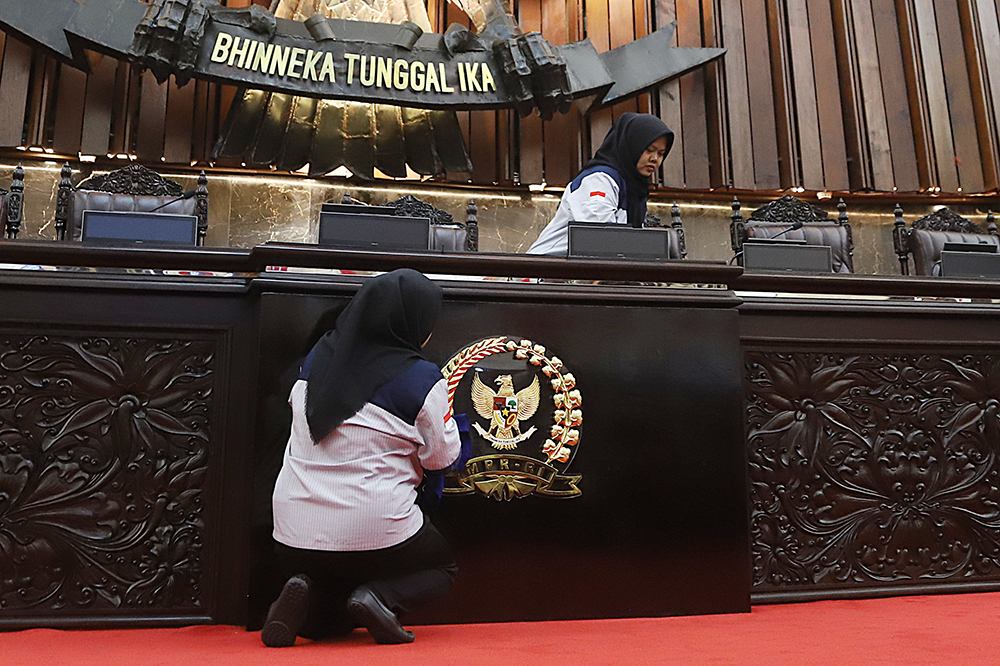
(247, 209)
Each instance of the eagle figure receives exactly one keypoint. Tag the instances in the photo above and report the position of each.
(504, 408)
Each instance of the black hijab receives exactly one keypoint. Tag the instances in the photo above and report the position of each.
(377, 336)
(628, 138)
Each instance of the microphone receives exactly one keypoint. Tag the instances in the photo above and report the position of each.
(797, 224)
(187, 194)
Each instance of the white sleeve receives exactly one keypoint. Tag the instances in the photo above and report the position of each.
(438, 430)
(595, 200)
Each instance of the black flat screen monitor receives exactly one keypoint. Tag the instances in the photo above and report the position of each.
(129, 228)
(985, 248)
(375, 232)
(970, 264)
(617, 241)
(785, 257)
(330, 207)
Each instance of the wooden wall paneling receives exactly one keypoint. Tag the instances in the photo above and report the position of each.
(152, 119)
(561, 134)
(784, 95)
(3, 41)
(937, 95)
(642, 14)
(870, 75)
(804, 87)
(956, 78)
(179, 127)
(532, 140)
(68, 125)
(14, 82)
(716, 116)
(97, 108)
(669, 98)
(761, 95)
(204, 109)
(916, 91)
(827, 78)
(506, 140)
(897, 108)
(850, 96)
(621, 28)
(737, 104)
(693, 151)
(598, 31)
(42, 80)
(979, 51)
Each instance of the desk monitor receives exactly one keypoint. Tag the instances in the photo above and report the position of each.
(987, 248)
(375, 232)
(618, 241)
(330, 207)
(970, 264)
(787, 257)
(130, 228)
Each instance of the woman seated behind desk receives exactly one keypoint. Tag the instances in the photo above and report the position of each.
(614, 185)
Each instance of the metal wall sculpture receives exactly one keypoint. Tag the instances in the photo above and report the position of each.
(290, 69)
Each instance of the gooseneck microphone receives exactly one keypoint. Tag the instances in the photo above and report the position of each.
(797, 224)
(187, 194)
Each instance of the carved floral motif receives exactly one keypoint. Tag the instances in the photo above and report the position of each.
(134, 179)
(873, 468)
(787, 210)
(411, 206)
(945, 219)
(103, 456)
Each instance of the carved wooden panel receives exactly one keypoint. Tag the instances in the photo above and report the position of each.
(104, 448)
(873, 468)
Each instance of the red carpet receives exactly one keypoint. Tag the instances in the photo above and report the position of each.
(957, 629)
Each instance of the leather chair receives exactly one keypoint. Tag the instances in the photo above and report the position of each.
(447, 235)
(778, 216)
(134, 189)
(925, 239)
(12, 204)
(676, 245)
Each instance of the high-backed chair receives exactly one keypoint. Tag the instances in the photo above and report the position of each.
(779, 216)
(925, 239)
(676, 245)
(447, 235)
(133, 189)
(12, 204)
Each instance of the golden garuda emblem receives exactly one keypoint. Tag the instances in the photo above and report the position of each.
(505, 409)
(529, 462)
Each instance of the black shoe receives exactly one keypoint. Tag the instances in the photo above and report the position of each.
(287, 615)
(369, 611)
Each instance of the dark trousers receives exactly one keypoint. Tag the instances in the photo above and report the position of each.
(405, 577)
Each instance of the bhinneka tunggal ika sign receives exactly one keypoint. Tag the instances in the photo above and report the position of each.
(352, 70)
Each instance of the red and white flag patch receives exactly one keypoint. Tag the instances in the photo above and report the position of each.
(598, 193)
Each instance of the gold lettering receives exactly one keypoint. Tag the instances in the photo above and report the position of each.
(488, 464)
(248, 60)
(309, 71)
(327, 69)
(384, 72)
(504, 463)
(473, 75)
(417, 78)
(279, 60)
(351, 59)
(400, 75)
(488, 82)
(370, 70)
(239, 50)
(263, 58)
(432, 78)
(220, 53)
(444, 80)
(461, 78)
(295, 62)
